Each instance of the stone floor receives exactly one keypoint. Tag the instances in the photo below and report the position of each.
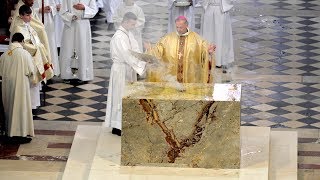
(277, 62)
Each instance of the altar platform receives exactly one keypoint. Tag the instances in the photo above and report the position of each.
(265, 154)
(254, 152)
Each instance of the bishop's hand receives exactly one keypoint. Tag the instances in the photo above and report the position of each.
(211, 48)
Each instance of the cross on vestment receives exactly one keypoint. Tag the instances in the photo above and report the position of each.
(180, 55)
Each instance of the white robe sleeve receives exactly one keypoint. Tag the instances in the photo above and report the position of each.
(123, 52)
(134, 43)
(65, 13)
(90, 9)
(53, 7)
(50, 3)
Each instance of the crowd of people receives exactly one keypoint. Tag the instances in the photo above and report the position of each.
(33, 57)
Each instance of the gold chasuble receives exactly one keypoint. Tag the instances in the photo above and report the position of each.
(185, 55)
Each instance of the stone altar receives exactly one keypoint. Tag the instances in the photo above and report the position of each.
(198, 127)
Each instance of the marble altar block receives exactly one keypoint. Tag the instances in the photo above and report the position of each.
(198, 127)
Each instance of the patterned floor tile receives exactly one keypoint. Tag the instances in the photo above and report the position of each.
(50, 116)
(293, 124)
(81, 117)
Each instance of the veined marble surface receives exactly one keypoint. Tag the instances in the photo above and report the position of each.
(164, 127)
(192, 91)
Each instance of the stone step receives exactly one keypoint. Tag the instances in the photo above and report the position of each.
(255, 161)
(82, 152)
(30, 169)
(255, 151)
(264, 155)
(283, 155)
(29, 175)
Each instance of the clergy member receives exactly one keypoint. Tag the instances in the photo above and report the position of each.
(176, 9)
(43, 69)
(16, 67)
(216, 28)
(76, 39)
(124, 69)
(35, 23)
(50, 11)
(131, 6)
(58, 24)
(110, 8)
(187, 55)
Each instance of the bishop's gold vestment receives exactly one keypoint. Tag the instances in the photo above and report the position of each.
(186, 56)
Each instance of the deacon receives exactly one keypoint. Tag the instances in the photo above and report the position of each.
(35, 23)
(124, 69)
(216, 28)
(176, 9)
(58, 24)
(130, 6)
(16, 68)
(187, 55)
(50, 11)
(43, 69)
(76, 39)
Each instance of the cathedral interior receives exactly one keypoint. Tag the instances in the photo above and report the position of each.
(276, 46)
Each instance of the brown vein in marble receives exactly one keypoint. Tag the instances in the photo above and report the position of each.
(153, 117)
(178, 146)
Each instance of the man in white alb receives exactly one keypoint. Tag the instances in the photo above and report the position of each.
(124, 69)
(76, 39)
(58, 24)
(216, 28)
